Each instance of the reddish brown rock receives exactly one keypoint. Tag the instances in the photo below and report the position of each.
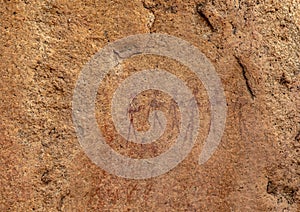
(254, 46)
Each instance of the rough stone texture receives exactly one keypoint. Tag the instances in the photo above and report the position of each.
(254, 46)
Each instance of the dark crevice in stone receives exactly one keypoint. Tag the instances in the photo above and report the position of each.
(244, 72)
(200, 11)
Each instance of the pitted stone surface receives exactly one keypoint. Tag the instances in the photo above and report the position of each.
(254, 47)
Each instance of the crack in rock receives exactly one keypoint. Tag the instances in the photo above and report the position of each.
(245, 73)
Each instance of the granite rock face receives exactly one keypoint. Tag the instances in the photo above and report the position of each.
(254, 47)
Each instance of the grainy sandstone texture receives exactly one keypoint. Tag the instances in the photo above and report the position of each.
(254, 46)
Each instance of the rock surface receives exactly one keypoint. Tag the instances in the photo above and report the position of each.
(254, 46)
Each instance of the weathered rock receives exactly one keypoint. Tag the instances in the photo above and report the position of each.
(254, 46)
